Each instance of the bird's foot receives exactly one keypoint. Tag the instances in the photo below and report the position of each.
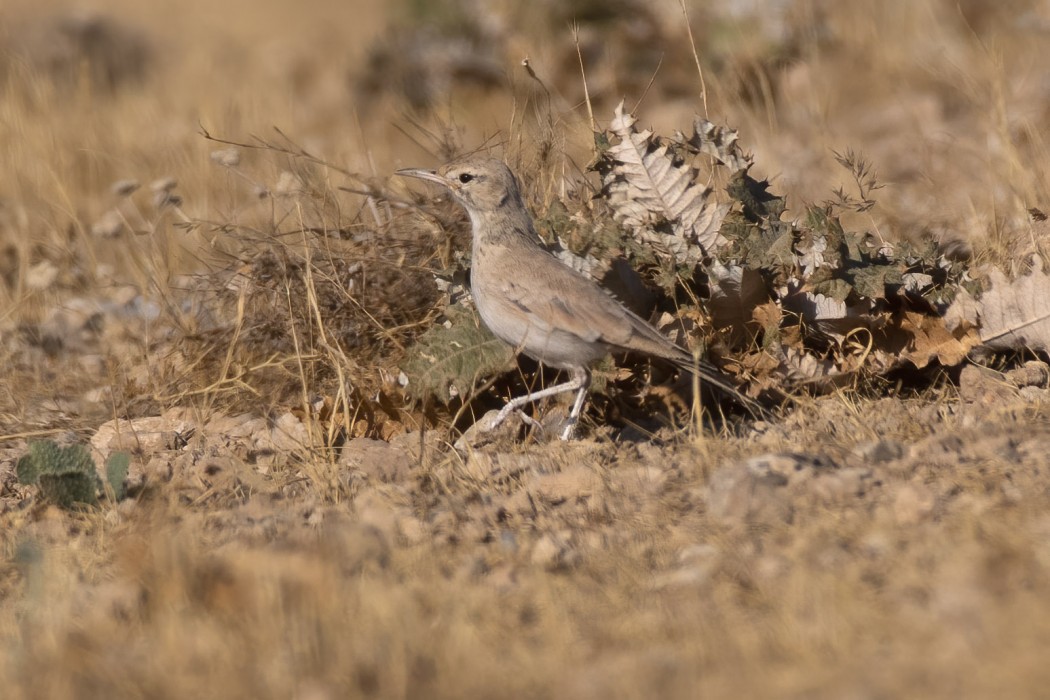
(567, 432)
(502, 416)
(485, 430)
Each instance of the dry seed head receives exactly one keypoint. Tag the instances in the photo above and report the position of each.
(227, 157)
(110, 224)
(165, 198)
(124, 188)
(164, 184)
(288, 184)
(955, 248)
(41, 276)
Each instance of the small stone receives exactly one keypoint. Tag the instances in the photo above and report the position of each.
(1011, 493)
(379, 460)
(411, 529)
(1033, 373)
(545, 552)
(744, 493)
(289, 435)
(553, 553)
(879, 451)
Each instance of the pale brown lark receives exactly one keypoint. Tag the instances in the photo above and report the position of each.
(544, 308)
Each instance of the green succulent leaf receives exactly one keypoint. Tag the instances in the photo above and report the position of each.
(117, 473)
(451, 357)
(65, 475)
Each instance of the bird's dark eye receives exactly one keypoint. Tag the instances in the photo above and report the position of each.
(465, 178)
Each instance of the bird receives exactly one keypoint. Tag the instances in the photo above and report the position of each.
(539, 305)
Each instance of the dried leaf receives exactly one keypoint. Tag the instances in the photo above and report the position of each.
(800, 366)
(870, 281)
(809, 252)
(657, 198)
(735, 294)
(930, 339)
(769, 317)
(1016, 314)
(719, 142)
(587, 264)
(916, 282)
(832, 317)
(837, 289)
(758, 202)
(964, 310)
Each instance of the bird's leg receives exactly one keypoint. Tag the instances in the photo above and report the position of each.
(584, 378)
(580, 380)
(529, 420)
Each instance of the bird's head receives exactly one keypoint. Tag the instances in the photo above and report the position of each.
(481, 185)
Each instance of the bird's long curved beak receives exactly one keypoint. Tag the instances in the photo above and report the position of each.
(422, 175)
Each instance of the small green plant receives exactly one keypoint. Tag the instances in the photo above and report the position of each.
(67, 475)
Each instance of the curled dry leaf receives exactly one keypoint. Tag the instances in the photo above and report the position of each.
(799, 366)
(735, 294)
(719, 142)
(831, 316)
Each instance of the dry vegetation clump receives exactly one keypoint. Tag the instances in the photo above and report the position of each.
(277, 342)
(421, 58)
(85, 51)
(316, 298)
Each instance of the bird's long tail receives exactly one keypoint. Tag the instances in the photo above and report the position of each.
(712, 376)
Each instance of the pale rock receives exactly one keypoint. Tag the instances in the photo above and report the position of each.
(142, 436)
(41, 276)
(985, 386)
(553, 552)
(378, 460)
(411, 529)
(481, 432)
(913, 503)
(1034, 373)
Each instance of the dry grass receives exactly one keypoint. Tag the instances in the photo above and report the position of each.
(906, 554)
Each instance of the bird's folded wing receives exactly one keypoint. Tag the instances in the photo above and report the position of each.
(572, 303)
